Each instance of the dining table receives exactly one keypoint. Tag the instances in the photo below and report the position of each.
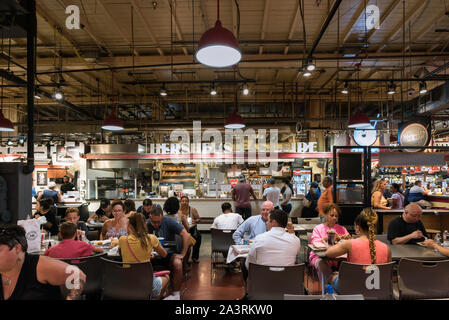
(237, 251)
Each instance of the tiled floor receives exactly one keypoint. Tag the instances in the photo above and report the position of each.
(225, 284)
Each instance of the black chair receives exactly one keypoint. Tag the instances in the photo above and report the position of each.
(127, 281)
(93, 235)
(58, 220)
(221, 241)
(271, 282)
(419, 279)
(84, 211)
(353, 279)
(92, 267)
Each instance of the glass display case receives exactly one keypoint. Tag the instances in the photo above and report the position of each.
(112, 188)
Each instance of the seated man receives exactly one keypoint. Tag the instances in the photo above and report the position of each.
(227, 220)
(146, 208)
(167, 228)
(73, 215)
(407, 228)
(417, 192)
(254, 225)
(103, 213)
(69, 247)
(276, 247)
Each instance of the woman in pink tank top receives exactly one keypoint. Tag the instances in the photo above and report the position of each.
(365, 249)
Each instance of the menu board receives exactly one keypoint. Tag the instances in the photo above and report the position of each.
(350, 166)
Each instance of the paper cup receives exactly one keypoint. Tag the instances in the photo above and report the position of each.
(161, 240)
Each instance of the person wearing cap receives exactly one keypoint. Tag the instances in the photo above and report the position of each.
(67, 185)
(241, 196)
(272, 193)
(50, 193)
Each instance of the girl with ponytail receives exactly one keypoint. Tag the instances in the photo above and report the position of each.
(365, 249)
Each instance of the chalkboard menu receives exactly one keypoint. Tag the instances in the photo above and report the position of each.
(350, 166)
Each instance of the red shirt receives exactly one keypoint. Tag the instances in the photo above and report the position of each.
(242, 192)
(70, 249)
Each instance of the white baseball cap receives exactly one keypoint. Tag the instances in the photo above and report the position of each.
(52, 184)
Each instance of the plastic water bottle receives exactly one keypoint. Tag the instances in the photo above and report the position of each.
(246, 238)
(329, 293)
(445, 239)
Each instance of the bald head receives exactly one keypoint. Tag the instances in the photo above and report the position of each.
(267, 206)
(412, 213)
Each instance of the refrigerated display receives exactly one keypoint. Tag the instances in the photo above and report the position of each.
(301, 181)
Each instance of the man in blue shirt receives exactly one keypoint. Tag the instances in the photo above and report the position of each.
(167, 228)
(254, 225)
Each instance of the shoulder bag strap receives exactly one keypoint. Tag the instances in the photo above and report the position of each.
(130, 250)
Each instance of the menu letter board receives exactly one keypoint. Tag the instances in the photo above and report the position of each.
(350, 166)
(411, 159)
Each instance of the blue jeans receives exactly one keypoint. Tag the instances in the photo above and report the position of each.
(335, 284)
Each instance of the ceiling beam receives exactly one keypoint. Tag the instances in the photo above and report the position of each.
(147, 26)
(176, 24)
(118, 27)
(383, 17)
(204, 17)
(348, 30)
(264, 23)
(395, 32)
(293, 27)
(426, 28)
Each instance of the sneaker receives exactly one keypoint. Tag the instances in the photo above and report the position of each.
(172, 297)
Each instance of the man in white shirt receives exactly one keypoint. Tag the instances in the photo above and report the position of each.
(275, 247)
(272, 193)
(228, 220)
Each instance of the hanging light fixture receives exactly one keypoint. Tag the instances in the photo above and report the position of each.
(10, 143)
(391, 88)
(37, 96)
(345, 89)
(422, 88)
(307, 73)
(359, 121)
(163, 91)
(245, 90)
(235, 121)
(218, 47)
(213, 91)
(112, 123)
(311, 66)
(58, 94)
(404, 171)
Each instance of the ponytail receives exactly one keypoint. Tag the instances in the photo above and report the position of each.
(367, 220)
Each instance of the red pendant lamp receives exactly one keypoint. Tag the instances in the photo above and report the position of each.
(112, 123)
(404, 171)
(435, 169)
(359, 121)
(218, 47)
(412, 171)
(235, 121)
(418, 169)
(5, 124)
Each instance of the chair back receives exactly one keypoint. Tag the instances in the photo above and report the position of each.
(93, 235)
(383, 238)
(221, 240)
(84, 211)
(419, 279)
(372, 281)
(127, 281)
(271, 282)
(319, 297)
(316, 220)
(92, 266)
(58, 220)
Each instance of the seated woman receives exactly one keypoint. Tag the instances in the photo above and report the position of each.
(117, 226)
(137, 246)
(26, 276)
(319, 237)
(363, 250)
(130, 207)
(397, 199)
(378, 200)
(44, 208)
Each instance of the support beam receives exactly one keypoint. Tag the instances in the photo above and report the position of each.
(293, 26)
(114, 22)
(384, 17)
(348, 30)
(147, 26)
(206, 20)
(264, 23)
(426, 28)
(398, 27)
(176, 25)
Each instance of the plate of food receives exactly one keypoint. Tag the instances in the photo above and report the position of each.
(101, 243)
